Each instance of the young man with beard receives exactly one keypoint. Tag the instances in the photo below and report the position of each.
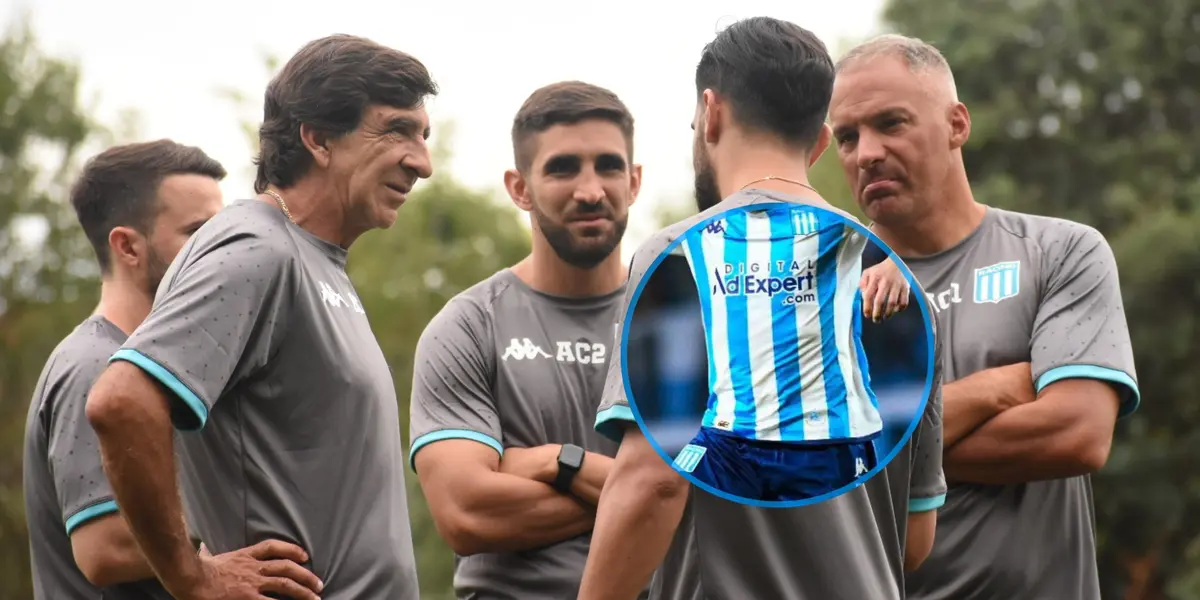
(509, 374)
(1037, 349)
(763, 87)
(138, 204)
(258, 346)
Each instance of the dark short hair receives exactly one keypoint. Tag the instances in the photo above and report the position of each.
(119, 187)
(776, 76)
(328, 85)
(565, 103)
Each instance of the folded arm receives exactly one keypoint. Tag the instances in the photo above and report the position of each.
(478, 508)
(540, 464)
(1066, 432)
(972, 401)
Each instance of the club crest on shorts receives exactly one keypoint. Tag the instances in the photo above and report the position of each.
(689, 458)
(997, 282)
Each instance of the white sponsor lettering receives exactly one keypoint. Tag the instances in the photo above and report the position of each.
(944, 299)
(336, 299)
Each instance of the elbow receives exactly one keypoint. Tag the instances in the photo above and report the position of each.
(102, 569)
(918, 543)
(105, 408)
(1091, 453)
(463, 532)
(657, 481)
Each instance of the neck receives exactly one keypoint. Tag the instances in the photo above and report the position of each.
(123, 303)
(750, 164)
(309, 202)
(949, 221)
(545, 272)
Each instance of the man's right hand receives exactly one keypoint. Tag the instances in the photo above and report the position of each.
(262, 571)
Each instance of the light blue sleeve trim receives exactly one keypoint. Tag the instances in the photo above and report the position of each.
(451, 434)
(916, 505)
(89, 513)
(1129, 400)
(168, 379)
(610, 421)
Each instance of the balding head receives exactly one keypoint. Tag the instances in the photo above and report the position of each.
(922, 59)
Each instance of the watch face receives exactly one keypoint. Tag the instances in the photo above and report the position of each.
(571, 455)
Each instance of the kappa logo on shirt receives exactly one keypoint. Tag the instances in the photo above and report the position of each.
(714, 228)
(335, 299)
(581, 352)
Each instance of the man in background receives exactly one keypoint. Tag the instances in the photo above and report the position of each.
(763, 88)
(1043, 367)
(259, 347)
(138, 204)
(509, 373)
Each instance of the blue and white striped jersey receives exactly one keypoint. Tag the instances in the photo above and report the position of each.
(779, 294)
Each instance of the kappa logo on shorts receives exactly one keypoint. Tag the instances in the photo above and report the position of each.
(860, 467)
(997, 282)
(689, 458)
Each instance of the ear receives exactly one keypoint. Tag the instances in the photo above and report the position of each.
(960, 125)
(518, 189)
(823, 139)
(710, 120)
(316, 143)
(635, 183)
(127, 247)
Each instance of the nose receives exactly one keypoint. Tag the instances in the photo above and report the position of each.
(870, 150)
(589, 188)
(419, 161)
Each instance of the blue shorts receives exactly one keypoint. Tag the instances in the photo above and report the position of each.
(774, 471)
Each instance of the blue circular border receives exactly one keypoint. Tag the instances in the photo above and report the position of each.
(881, 465)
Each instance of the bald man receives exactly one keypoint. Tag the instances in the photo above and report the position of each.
(1043, 368)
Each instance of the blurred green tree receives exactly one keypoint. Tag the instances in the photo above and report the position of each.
(1091, 112)
(47, 270)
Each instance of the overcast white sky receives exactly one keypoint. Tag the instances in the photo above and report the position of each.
(166, 60)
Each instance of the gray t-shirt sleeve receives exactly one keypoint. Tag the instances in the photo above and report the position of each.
(927, 489)
(218, 318)
(73, 452)
(1080, 330)
(614, 412)
(452, 380)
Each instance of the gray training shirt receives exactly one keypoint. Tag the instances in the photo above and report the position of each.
(65, 485)
(287, 404)
(1024, 288)
(850, 547)
(505, 365)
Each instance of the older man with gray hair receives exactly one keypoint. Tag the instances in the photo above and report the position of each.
(1044, 367)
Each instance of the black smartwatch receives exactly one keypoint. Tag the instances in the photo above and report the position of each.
(570, 460)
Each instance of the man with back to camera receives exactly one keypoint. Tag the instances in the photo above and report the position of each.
(259, 350)
(763, 87)
(508, 375)
(1038, 349)
(137, 204)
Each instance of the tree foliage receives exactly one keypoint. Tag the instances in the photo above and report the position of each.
(1091, 111)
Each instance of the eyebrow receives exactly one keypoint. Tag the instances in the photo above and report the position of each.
(573, 160)
(195, 224)
(407, 125)
(891, 111)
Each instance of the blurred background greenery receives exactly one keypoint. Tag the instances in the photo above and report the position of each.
(1080, 110)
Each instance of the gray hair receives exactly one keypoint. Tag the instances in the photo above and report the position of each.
(920, 56)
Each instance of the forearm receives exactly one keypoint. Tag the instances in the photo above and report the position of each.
(143, 479)
(505, 513)
(643, 502)
(1032, 442)
(970, 402)
(589, 482)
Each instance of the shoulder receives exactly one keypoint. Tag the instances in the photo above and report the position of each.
(246, 231)
(1055, 237)
(471, 309)
(79, 359)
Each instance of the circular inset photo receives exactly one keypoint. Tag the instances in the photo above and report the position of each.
(778, 354)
